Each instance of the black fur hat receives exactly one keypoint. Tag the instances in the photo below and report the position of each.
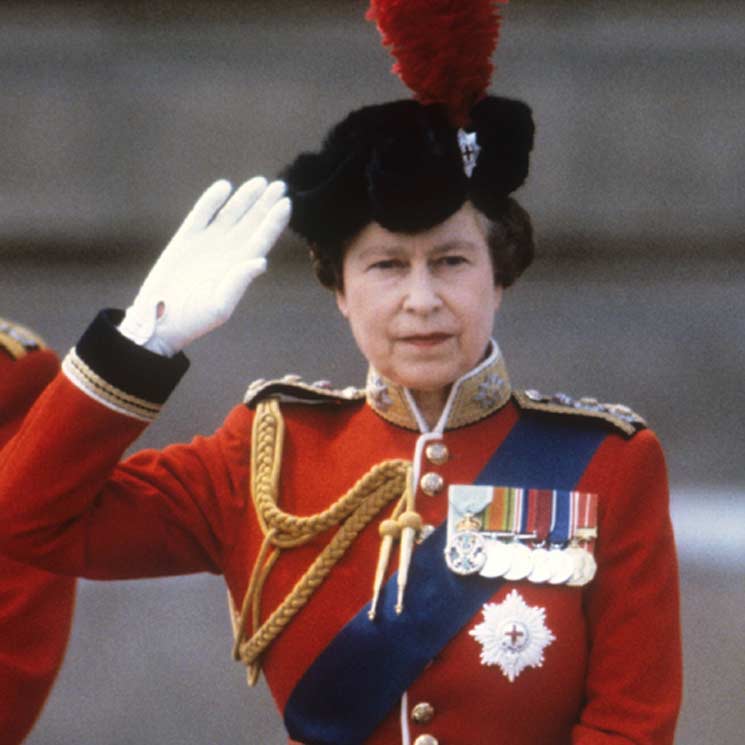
(400, 164)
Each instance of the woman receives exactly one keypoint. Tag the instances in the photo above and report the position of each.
(435, 558)
(592, 663)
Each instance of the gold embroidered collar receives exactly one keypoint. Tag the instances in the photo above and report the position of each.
(476, 395)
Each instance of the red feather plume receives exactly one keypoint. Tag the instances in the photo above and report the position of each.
(443, 48)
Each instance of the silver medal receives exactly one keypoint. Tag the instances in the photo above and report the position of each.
(465, 553)
(541, 565)
(498, 558)
(586, 566)
(591, 566)
(578, 556)
(562, 567)
(521, 563)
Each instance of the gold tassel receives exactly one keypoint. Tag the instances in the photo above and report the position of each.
(389, 532)
(411, 524)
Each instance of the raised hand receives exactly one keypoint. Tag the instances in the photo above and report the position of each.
(203, 272)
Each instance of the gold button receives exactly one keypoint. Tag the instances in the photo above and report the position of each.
(432, 483)
(426, 740)
(422, 713)
(437, 453)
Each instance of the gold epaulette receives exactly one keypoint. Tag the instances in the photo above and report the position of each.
(618, 415)
(292, 389)
(17, 340)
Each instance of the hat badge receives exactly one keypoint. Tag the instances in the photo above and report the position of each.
(469, 149)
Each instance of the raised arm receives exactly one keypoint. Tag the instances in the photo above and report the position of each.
(67, 502)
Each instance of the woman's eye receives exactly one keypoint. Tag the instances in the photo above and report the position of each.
(451, 260)
(385, 264)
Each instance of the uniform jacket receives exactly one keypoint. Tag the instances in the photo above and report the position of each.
(35, 606)
(612, 673)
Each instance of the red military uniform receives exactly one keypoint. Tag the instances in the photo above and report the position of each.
(35, 606)
(612, 670)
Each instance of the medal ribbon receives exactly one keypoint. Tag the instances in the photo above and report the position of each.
(502, 515)
(562, 524)
(543, 499)
(585, 521)
(332, 703)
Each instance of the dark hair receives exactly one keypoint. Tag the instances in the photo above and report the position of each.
(509, 237)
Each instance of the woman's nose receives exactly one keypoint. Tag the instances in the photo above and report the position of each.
(422, 294)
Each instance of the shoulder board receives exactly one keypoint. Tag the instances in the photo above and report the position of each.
(618, 415)
(292, 389)
(17, 340)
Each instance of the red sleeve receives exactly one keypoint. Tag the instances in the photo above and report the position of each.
(71, 507)
(634, 676)
(35, 607)
(83, 513)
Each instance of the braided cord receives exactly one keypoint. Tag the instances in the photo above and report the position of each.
(355, 510)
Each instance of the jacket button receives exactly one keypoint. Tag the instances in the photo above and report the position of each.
(426, 740)
(437, 453)
(432, 483)
(422, 713)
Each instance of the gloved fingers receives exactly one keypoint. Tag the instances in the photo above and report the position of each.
(230, 290)
(271, 227)
(204, 209)
(242, 200)
(254, 217)
(139, 322)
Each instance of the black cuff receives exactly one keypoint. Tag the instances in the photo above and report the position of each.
(126, 365)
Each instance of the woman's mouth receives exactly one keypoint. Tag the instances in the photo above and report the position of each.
(426, 340)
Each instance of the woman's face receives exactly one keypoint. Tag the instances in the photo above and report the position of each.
(421, 307)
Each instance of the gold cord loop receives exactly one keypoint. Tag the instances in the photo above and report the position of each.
(352, 512)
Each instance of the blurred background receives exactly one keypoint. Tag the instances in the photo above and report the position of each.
(116, 115)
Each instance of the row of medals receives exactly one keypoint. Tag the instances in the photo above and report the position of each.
(501, 554)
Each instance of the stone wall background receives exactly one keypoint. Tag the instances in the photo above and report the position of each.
(114, 118)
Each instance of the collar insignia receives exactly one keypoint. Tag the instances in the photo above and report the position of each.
(377, 391)
(491, 390)
(476, 395)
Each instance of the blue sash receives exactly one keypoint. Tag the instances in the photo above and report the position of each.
(361, 675)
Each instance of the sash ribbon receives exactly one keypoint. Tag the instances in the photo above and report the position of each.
(363, 672)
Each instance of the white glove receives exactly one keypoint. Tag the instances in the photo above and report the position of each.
(207, 266)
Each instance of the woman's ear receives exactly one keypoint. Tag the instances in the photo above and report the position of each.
(341, 303)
